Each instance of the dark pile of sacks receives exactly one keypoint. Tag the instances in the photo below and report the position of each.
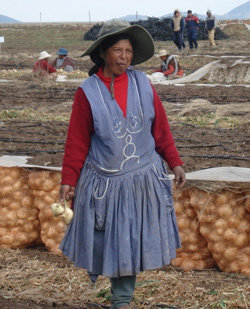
(160, 30)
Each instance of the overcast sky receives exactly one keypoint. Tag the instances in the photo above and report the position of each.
(101, 10)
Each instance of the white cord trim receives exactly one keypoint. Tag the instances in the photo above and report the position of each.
(128, 157)
(106, 189)
(166, 177)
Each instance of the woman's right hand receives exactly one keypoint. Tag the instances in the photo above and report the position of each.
(67, 193)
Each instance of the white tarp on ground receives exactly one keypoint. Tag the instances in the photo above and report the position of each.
(155, 78)
(231, 174)
(214, 71)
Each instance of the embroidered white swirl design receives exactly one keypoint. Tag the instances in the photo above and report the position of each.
(131, 145)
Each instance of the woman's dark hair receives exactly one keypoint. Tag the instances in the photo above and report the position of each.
(105, 45)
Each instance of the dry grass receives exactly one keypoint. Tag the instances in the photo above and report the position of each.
(26, 278)
(31, 114)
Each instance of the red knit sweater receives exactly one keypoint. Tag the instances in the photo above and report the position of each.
(81, 128)
(43, 65)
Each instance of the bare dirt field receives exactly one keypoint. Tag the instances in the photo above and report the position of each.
(210, 124)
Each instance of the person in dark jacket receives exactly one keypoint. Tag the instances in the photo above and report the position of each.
(210, 25)
(178, 25)
(192, 23)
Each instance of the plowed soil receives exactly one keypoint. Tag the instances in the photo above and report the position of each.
(200, 146)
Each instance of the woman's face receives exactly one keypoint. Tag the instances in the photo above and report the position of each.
(118, 58)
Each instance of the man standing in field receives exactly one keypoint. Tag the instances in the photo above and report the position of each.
(192, 23)
(210, 25)
(178, 25)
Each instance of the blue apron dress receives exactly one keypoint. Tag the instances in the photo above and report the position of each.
(124, 220)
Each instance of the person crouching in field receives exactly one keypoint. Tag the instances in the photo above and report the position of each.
(63, 61)
(170, 67)
(210, 25)
(118, 139)
(42, 66)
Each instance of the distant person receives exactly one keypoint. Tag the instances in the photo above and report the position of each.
(42, 66)
(210, 25)
(170, 67)
(63, 61)
(178, 25)
(192, 23)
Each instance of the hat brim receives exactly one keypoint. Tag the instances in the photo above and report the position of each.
(159, 56)
(143, 47)
(44, 57)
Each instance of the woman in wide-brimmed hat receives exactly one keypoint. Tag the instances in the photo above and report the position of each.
(118, 138)
(42, 66)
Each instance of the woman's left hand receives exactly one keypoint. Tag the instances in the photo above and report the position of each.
(180, 178)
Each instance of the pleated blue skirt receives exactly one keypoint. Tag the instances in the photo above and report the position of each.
(123, 223)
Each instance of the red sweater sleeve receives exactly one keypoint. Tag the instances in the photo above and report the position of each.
(51, 69)
(169, 71)
(77, 145)
(164, 142)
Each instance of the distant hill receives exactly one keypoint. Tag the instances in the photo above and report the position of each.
(240, 12)
(6, 19)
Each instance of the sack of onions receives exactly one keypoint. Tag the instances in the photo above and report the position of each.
(46, 186)
(19, 222)
(225, 224)
(194, 253)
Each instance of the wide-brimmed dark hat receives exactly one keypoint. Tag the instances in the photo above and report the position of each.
(143, 45)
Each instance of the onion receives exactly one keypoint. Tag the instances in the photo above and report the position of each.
(241, 240)
(214, 237)
(18, 185)
(177, 261)
(225, 211)
(27, 201)
(6, 181)
(183, 223)
(193, 238)
(230, 234)
(232, 267)
(188, 264)
(230, 253)
(219, 247)
(246, 271)
(205, 230)
(6, 191)
(190, 213)
(22, 213)
(222, 199)
(233, 221)
(7, 239)
(220, 224)
(5, 201)
(244, 226)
